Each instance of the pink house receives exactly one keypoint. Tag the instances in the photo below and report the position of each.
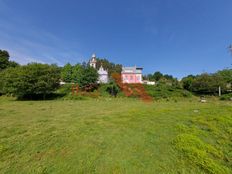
(131, 75)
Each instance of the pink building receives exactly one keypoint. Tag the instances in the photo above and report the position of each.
(131, 75)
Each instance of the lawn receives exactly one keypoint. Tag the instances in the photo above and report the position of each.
(115, 136)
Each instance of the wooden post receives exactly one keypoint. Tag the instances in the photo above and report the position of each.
(219, 91)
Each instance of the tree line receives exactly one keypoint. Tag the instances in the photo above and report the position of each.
(204, 83)
(160, 78)
(83, 74)
(209, 83)
(35, 79)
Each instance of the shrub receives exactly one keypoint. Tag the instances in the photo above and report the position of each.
(112, 89)
(65, 89)
(226, 97)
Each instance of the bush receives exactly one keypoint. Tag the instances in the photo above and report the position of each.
(112, 89)
(65, 89)
(66, 92)
(103, 90)
(226, 97)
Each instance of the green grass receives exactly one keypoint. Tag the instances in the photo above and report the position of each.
(162, 91)
(115, 136)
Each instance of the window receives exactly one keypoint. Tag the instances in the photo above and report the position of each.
(131, 77)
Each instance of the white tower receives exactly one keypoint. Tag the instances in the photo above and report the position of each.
(93, 61)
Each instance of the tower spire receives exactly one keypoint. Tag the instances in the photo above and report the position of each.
(93, 61)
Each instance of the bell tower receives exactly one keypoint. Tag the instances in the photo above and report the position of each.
(93, 61)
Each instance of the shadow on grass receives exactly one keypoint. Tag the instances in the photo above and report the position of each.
(38, 97)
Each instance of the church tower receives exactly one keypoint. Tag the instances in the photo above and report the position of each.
(93, 61)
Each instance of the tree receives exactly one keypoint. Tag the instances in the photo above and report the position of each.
(168, 77)
(31, 80)
(1, 83)
(77, 71)
(88, 78)
(226, 74)
(208, 84)
(150, 77)
(13, 64)
(66, 73)
(157, 76)
(187, 82)
(82, 74)
(4, 60)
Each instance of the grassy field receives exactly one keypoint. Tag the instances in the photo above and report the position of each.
(115, 136)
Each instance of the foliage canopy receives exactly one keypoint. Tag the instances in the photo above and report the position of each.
(31, 80)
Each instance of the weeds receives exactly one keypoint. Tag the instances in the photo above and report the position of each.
(207, 142)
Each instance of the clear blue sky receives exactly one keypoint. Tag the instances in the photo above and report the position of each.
(177, 37)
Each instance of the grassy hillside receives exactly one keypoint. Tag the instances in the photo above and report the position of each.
(115, 136)
(162, 91)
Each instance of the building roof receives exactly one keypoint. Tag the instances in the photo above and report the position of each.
(101, 71)
(132, 70)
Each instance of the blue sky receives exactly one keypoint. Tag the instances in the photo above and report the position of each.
(177, 37)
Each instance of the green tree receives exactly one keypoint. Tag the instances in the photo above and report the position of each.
(150, 77)
(4, 59)
(77, 71)
(1, 82)
(187, 82)
(82, 74)
(5, 62)
(13, 64)
(66, 73)
(88, 78)
(31, 80)
(208, 84)
(226, 74)
(157, 76)
(168, 77)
